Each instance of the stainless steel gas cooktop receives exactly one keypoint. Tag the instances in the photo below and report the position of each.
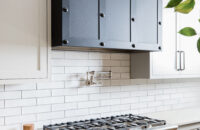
(121, 122)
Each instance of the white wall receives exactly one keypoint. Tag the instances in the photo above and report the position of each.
(67, 98)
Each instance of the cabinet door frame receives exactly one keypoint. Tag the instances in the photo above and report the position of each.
(112, 44)
(155, 46)
(44, 54)
(76, 42)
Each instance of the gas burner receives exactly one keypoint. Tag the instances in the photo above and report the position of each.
(121, 122)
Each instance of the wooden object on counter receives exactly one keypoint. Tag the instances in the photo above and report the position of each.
(28, 127)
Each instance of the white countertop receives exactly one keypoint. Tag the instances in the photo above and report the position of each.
(178, 117)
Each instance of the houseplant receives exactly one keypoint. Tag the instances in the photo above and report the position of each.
(185, 7)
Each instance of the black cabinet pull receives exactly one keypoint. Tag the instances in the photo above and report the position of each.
(102, 15)
(133, 19)
(65, 41)
(133, 45)
(65, 10)
(102, 44)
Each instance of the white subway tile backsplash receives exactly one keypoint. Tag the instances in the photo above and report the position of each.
(96, 55)
(37, 93)
(2, 103)
(68, 98)
(125, 82)
(115, 82)
(51, 85)
(58, 54)
(20, 119)
(171, 102)
(10, 95)
(115, 89)
(116, 76)
(163, 108)
(88, 104)
(155, 92)
(120, 95)
(36, 109)
(50, 115)
(50, 100)
(147, 99)
(65, 106)
(120, 69)
(88, 90)
(139, 105)
(129, 88)
(139, 93)
(59, 77)
(76, 55)
(10, 112)
(20, 102)
(169, 91)
(76, 98)
(155, 104)
(20, 87)
(96, 63)
(77, 70)
(125, 76)
(162, 97)
(99, 69)
(59, 62)
(76, 77)
(112, 63)
(129, 100)
(176, 96)
(122, 107)
(125, 63)
(58, 70)
(99, 110)
(79, 112)
(100, 96)
(110, 102)
(147, 110)
(11, 127)
(1, 121)
(79, 63)
(64, 92)
(120, 56)
(2, 88)
(74, 84)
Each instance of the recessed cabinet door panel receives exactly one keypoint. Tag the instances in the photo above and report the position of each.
(144, 23)
(191, 60)
(23, 39)
(80, 23)
(115, 25)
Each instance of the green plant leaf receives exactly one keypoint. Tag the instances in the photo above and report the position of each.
(173, 3)
(198, 45)
(185, 6)
(199, 20)
(188, 31)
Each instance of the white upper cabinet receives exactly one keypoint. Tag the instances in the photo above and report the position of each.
(188, 45)
(179, 57)
(163, 63)
(23, 40)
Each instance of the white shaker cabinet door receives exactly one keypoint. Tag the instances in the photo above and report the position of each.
(163, 64)
(23, 40)
(191, 61)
